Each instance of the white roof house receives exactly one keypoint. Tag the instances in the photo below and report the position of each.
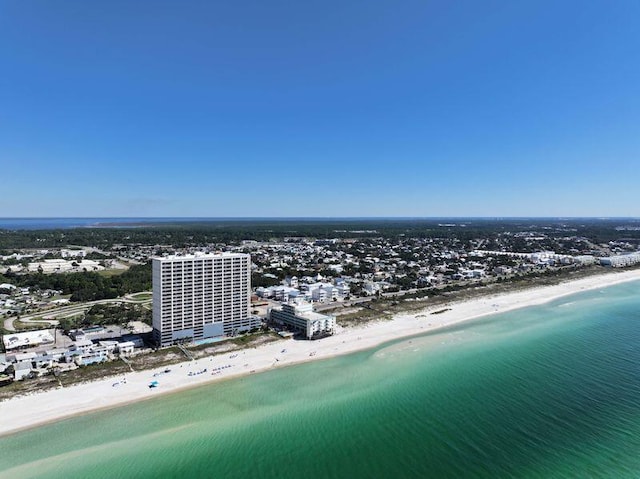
(27, 340)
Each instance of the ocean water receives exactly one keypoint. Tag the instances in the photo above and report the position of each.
(66, 223)
(546, 392)
(130, 222)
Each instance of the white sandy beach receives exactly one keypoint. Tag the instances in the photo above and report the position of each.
(28, 411)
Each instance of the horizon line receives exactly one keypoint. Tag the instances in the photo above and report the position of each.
(306, 217)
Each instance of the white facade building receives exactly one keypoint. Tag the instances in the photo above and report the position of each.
(201, 296)
(301, 317)
(585, 259)
(63, 266)
(126, 348)
(620, 261)
(279, 293)
(73, 253)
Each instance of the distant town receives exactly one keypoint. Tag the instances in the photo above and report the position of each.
(83, 303)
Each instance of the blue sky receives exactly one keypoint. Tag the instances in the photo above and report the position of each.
(289, 108)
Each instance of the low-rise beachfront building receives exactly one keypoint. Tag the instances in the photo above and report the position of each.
(621, 261)
(279, 293)
(126, 348)
(321, 295)
(136, 339)
(301, 317)
(57, 354)
(343, 290)
(22, 369)
(77, 334)
(284, 293)
(81, 346)
(30, 364)
(584, 260)
(29, 339)
(369, 288)
(96, 355)
(110, 346)
(26, 356)
(322, 292)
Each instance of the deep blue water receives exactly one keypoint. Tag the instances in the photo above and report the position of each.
(105, 222)
(62, 223)
(65, 223)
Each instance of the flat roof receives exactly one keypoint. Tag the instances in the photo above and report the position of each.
(29, 338)
(178, 257)
(315, 316)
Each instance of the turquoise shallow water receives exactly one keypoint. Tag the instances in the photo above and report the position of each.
(550, 391)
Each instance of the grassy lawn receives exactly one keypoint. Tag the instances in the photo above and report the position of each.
(142, 296)
(24, 326)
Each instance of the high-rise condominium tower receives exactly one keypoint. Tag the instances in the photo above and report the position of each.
(201, 296)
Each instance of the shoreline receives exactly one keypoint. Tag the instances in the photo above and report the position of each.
(30, 411)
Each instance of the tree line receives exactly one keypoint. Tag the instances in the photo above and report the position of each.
(105, 314)
(233, 231)
(86, 286)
